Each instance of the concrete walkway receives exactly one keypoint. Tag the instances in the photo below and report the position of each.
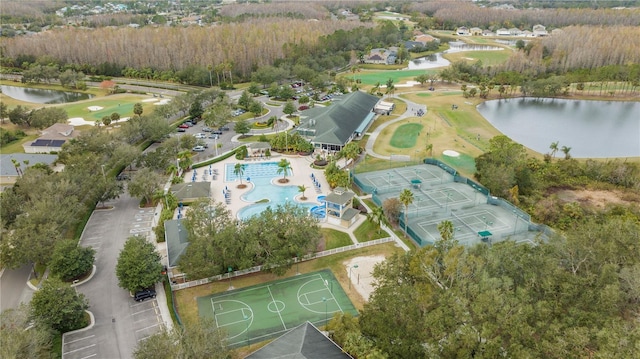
(412, 108)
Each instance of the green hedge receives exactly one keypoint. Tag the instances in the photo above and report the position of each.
(219, 158)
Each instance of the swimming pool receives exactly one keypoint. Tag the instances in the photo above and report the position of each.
(261, 174)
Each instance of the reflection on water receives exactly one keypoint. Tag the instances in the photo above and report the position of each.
(28, 94)
(592, 129)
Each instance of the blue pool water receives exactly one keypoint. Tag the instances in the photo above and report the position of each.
(261, 174)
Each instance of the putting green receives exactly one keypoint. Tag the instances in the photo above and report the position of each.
(406, 136)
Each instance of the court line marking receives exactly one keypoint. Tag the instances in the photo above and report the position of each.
(274, 299)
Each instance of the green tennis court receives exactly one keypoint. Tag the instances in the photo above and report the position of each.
(267, 310)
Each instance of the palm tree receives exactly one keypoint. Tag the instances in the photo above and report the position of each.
(566, 150)
(238, 170)
(375, 216)
(16, 164)
(406, 198)
(284, 167)
(430, 149)
(301, 189)
(554, 148)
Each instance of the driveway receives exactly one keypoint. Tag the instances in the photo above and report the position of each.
(13, 287)
(120, 322)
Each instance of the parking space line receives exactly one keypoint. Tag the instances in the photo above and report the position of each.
(139, 304)
(83, 348)
(142, 311)
(89, 356)
(77, 340)
(145, 328)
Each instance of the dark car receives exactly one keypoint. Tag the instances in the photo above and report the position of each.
(180, 129)
(123, 177)
(224, 128)
(216, 132)
(144, 294)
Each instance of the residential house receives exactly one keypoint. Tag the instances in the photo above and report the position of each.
(503, 32)
(425, 38)
(13, 165)
(302, 342)
(339, 207)
(487, 32)
(514, 31)
(409, 45)
(463, 31)
(51, 139)
(331, 128)
(475, 31)
(539, 30)
(381, 56)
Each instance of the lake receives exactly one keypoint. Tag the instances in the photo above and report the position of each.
(593, 129)
(33, 95)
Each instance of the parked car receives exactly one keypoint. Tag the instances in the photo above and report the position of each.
(184, 125)
(180, 129)
(206, 129)
(198, 149)
(123, 177)
(224, 128)
(213, 136)
(200, 136)
(216, 132)
(189, 123)
(144, 294)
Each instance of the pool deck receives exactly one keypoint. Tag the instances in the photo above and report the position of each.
(301, 175)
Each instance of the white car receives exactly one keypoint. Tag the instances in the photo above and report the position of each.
(200, 136)
(198, 149)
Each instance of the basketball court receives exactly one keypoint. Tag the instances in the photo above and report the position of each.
(264, 311)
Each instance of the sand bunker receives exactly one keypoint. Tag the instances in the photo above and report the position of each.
(95, 108)
(79, 121)
(451, 153)
(361, 278)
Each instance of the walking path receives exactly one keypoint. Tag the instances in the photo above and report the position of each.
(412, 108)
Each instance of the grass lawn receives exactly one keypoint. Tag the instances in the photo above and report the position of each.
(335, 239)
(406, 136)
(368, 231)
(119, 103)
(398, 76)
(488, 58)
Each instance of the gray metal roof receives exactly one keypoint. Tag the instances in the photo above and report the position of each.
(339, 196)
(177, 240)
(191, 190)
(336, 124)
(8, 169)
(302, 342)
(349, 213)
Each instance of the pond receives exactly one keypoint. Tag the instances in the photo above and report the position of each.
(436, 60)
(592, 129)
(28, 94)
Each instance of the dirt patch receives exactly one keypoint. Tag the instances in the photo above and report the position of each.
(592, 198)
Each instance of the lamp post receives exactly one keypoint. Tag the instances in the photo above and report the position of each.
(515, 225)
(246, 318)
(103, 176)
(229, 274)
(326, 318)
(215, 144)
(350, 268)
(297, 264)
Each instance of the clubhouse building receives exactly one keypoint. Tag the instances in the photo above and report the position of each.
(331, 128)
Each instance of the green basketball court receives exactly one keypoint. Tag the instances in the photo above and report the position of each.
(264, 311)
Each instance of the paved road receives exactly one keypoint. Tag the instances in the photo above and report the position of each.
(120, 322)
(13, 287)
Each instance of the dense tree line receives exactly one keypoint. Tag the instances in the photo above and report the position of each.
(247, 45)
(272, 239)
(451, 14)
(305, 10)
